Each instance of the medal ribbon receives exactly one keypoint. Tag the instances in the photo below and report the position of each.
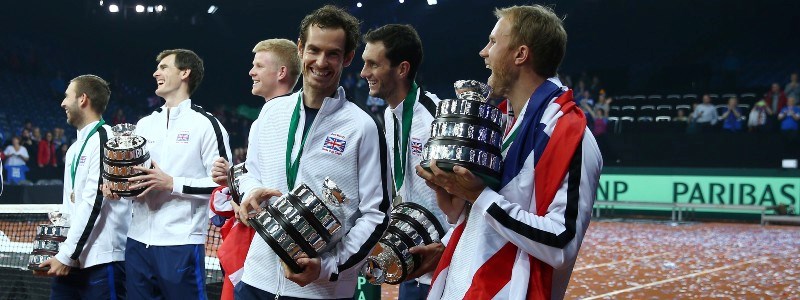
(74, 167)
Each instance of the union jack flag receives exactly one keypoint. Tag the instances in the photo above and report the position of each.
(334, 145)
(416, 148)
(183, 137)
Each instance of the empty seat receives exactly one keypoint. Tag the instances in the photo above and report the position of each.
(673, 97)
(690, 97)
(664, 107)
(728, 96)
(721, 108)
(714, 97)
(628, 108)
(683, 106)
(647, 107)
(624, 97)
(638, 97)
(654, 97)
(744, 107)
(663, 119)
(645, 119)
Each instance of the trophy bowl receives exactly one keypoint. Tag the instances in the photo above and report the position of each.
(234, 175)
(47, 240)
(300, 222)
(467, 132)
(411, 225)
(121, 154)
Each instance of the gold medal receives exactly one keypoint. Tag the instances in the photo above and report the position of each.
(72, 197)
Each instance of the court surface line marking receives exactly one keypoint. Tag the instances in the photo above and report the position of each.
(676, 278)
(620, 261)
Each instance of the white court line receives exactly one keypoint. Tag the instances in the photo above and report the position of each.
(674, 279)
(620, 261)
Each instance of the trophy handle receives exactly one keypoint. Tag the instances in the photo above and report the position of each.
(332, 194)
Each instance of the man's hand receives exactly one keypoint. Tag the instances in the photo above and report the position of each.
(251, 205)
(311, 269)
(108, 194)
(461, 182)
(430, 254)
(152, 179)
(56, 267)
(219, 171)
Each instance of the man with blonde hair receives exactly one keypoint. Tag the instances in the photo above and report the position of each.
(521, 240)
(276, 68)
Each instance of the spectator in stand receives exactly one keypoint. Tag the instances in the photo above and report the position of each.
(681, 116)
(61, 158)
(757, 120)
(27, 126)
(581, 87)
(59, 138)
(46, 157)
(792, 89)
(586, 99)
(119, 117)
(789, 116)
(603, 103)
(600, 122)
(732, 117)
(36, 135)
(596, 86)
(775, 98)
(16, 158)
(705, 115)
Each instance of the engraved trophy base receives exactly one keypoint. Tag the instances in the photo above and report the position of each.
(492, 181)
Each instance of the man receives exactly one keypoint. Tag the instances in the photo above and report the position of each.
(392, 56)
(89, 264)
(303, 138)
(732, 117)
(521, 242)
(705, 114)
(276, 68)
(166, 243)
(789, 116)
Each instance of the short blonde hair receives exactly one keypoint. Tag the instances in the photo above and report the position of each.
(285, 53)
(542, 31)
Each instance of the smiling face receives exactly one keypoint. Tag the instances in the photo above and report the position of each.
(324, 57)
(264, 73)
(498, 57)
(381, 77)
(71, 105)
(168, 77)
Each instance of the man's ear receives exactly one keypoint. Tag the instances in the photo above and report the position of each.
(522, 55)
(185, 73)
(83, 101)
(348, 59)
(283, 72)
(403, 69)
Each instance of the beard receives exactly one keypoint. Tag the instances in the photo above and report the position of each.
(500, 81)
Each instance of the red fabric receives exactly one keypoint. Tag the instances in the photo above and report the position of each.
(46, 154)
(493, 275)
(781, 100)
(447, 256)
(236, 240)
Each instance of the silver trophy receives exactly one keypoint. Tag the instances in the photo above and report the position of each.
(468, 132)
(300, 222)
(390, 261)
(48, 238)
(121, 154)
(234, 175)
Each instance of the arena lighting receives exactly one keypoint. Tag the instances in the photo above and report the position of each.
(101, 2)
(113, 8)
(359, 4)
(150, 9)
(789, 163)
(212, 9)
(431, 2)
(401, 1)
(139, 8)
(159, 8)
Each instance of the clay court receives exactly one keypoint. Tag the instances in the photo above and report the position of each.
(664, 260)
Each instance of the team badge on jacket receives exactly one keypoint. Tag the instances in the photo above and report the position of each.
(83, 160)
(416, 147)
(183, 137)
(334, 143)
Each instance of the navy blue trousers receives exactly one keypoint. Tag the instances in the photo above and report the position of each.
(104, 281)
(244, 291)
(165, 272)
(411, 290)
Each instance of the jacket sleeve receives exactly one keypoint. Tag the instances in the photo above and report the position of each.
(214, 140)
(85, 213)
(252, 179)
(555, 236)
(43, 153)
(374, 184)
